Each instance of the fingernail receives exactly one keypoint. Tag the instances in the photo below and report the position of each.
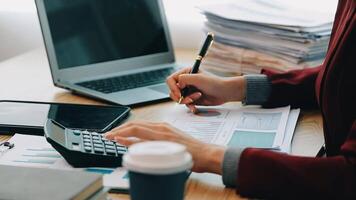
(180, 100)
(190, 100)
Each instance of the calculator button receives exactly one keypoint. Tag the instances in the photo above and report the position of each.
(96, 138)
(99, 150)
(87, 144)
(94, 134)
(97, 142)
(109, 142)
(110, 147)
(87, 149)
(86, 140)
(86, 136)
(77, 132)
(111, 151)
(120, 152)
(98, 145)
(85, 133)
(121, 149)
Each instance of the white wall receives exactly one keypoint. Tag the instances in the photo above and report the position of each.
(20, 31)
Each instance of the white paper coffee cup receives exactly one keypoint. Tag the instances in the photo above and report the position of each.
(157, 158)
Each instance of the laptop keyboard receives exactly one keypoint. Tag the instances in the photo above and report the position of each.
(126, 82)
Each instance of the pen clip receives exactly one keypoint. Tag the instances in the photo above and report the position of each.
(199, 58)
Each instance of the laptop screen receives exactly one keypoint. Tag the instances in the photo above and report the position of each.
(93, 31)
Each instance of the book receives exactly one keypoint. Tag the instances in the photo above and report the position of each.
(43, 184)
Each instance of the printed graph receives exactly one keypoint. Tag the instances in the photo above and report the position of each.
(259, 121)
(243, 139)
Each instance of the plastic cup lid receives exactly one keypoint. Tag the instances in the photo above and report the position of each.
(157, 157)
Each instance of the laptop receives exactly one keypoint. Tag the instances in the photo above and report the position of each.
(119, 51)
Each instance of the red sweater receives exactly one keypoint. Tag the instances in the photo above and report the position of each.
(332, 87)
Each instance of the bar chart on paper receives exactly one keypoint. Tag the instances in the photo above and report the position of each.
(204, 125)
(255, 130)
(260, 121)
(32, 153)
(38, 156)
(201, 130)
(243, 139)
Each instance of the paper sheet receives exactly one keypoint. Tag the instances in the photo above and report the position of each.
(35, 151)
(274, 13)
(240, 127)
(290, 128)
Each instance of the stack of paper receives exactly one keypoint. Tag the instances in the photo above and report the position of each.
(255, 34)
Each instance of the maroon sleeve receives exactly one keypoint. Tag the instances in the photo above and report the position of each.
(271, 175)
(295, 88)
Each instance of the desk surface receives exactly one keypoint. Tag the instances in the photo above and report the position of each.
(27, 77)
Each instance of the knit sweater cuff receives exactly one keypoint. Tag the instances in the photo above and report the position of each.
(258, 89)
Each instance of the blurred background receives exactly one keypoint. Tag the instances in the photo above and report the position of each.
(20, 31)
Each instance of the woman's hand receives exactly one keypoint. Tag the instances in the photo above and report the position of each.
(206, 157)
(206, 89)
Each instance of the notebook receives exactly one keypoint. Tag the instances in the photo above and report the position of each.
(20, 183)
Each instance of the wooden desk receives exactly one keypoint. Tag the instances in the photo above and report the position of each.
(27, 77)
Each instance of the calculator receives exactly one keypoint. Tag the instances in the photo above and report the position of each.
(84, 148)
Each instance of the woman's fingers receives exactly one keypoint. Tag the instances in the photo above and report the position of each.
(140, 129)
(172, 84)
(111, 134)
(134, 131)
(172, 81)
(174, 97)
(192, 98)
(127, 141)
(195, 80)
(192, 108)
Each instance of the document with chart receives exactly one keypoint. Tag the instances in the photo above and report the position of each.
(35, 151)
(239, 127)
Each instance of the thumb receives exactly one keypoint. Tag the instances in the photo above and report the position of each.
(195, 80)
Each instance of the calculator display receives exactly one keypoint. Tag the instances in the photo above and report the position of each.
(57, 134)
